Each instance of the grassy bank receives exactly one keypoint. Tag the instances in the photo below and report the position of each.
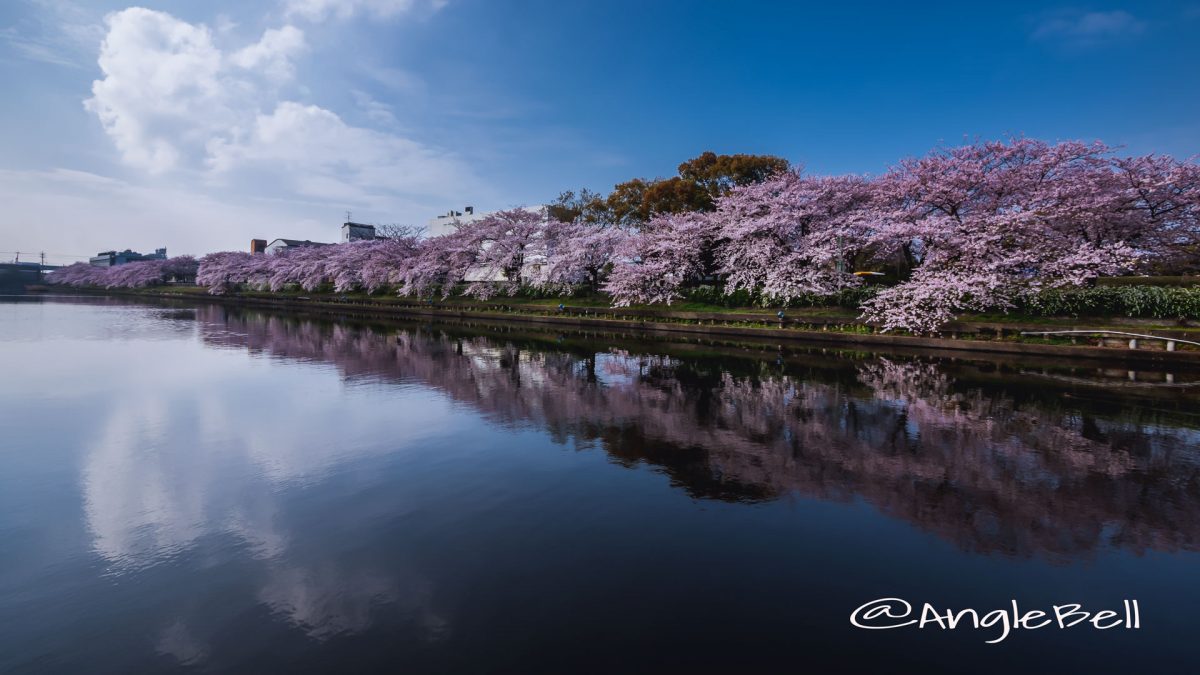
(994, 333)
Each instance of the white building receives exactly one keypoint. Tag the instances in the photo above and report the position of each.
(447, 222)
(278, 245)
(535, 261)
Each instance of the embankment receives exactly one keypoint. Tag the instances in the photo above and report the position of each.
(961, 336)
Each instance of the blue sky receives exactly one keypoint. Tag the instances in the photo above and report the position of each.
(198, 125)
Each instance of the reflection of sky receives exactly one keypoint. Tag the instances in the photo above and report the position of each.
(315, 484)
(183, 438)
(183, 442)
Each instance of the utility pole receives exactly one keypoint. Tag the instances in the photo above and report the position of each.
(42, 267)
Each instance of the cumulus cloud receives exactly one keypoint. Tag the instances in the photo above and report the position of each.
(316, 10)
(164, 88)
(332, 159)
(1087, 28)
(174, 99)
(273, 54)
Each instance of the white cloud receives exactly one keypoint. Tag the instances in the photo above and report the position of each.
(163, 87)
(327, 158)
(175, 102)
(1074, 28)
(273, 54)
(77, 213)
(376, 111)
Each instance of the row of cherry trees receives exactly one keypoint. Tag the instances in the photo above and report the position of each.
(975, 228)
(138, 274)
(496, 255)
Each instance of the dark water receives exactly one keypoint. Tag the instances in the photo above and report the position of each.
(198, 487)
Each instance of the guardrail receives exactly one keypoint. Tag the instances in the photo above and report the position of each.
(1133, 342)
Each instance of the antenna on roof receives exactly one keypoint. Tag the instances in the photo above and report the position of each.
(347, 215)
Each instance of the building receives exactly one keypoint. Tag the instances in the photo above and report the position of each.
(357, 232)
(448, 221)
(285, 244)
(258, 245)
(114, 258)
(535, 259)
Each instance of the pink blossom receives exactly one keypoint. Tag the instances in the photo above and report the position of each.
(653, 265)
(138, 274)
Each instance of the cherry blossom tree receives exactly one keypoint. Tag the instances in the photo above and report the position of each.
(437, 265)
(385, 260)
(579, 254)
(993, 222)
(652, 266)
(504, 242)
(139, 274)
(79, 274)
(224, 271)
(1156, 207)
(790, 235)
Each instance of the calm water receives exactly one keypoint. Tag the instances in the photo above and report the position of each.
(198, 487)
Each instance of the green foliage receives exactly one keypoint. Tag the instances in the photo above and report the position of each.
(1154, 302)
(1149, 281)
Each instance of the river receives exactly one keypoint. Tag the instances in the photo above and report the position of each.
(210, 488)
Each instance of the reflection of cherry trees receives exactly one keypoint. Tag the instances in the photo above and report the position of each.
(974, 465)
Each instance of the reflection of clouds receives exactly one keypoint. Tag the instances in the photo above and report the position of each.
(327, 601)
(202, 458)
(137, 506)
(207, 443)
(178, 642)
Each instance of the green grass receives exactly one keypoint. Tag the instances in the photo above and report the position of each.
(845, 319)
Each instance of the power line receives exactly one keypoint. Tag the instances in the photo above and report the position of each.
(61, 255)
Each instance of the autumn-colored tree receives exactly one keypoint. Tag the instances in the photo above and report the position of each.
(717, 174)
(701, 181)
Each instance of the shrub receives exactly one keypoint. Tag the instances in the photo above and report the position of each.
(1155, 302)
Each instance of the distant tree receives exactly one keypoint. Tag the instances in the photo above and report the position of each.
(398, 231)
(587, 207)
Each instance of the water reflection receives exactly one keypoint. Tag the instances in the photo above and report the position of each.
(208, 487)
(995, 468)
